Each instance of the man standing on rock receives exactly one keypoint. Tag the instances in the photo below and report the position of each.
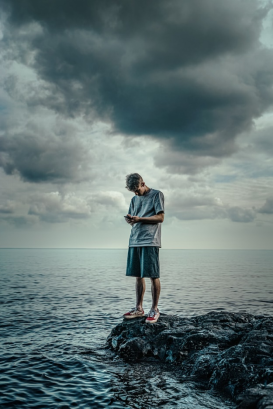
(145, 215)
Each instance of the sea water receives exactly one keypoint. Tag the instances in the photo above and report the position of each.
(59, 305)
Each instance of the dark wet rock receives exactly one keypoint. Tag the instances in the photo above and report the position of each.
(228, 352)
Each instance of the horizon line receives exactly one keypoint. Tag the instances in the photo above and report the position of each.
(119, 248)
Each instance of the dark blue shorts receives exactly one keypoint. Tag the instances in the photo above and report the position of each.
(143, 262)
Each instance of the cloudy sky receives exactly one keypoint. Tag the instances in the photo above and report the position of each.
(180, 92)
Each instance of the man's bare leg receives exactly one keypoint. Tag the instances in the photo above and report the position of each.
(140, 290)
(155, 288)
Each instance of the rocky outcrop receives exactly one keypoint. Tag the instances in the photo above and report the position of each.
(228, 352)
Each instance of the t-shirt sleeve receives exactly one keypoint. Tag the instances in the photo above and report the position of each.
(159, 203)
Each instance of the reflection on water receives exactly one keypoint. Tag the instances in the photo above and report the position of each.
(58, 306)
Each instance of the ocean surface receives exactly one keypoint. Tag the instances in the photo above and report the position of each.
(59, 305)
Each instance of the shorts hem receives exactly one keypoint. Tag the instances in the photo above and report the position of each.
(145, 276)
(144, 245)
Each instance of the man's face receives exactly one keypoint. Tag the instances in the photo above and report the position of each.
(140, 190)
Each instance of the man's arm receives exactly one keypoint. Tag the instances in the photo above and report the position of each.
(157, 218)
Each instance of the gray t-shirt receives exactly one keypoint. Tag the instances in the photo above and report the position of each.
(146, 234)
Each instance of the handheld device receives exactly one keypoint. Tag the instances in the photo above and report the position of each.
(127, 218)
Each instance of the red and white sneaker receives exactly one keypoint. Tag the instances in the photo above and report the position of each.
(133, 313)
(152, 316)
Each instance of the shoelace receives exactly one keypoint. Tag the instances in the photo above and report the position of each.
(134, 309)
(152, 313)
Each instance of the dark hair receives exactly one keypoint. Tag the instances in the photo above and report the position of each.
(132, 181)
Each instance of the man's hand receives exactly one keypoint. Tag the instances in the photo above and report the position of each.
(129, 219)
(157, 218)
(135, 219)
(132, 219)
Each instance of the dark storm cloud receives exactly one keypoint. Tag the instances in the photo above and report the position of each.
(191, 73)
(39, 156)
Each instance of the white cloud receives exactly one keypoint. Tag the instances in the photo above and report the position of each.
(237, 214)
(112, 199)
(202, 205)
(8, 207)
(55, 208)
(267, 208)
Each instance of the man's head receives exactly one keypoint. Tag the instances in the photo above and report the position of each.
(135, 183)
